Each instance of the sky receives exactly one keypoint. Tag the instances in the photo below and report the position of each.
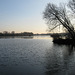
(24, 15)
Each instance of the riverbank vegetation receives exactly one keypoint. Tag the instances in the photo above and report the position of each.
(6, 33)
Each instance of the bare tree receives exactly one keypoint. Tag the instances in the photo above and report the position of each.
(56, 16)
(13, 32)
(71, 5)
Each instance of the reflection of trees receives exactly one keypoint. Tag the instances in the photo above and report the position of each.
(70, 49)
(23, 37)
(26, 37)
(58, 60)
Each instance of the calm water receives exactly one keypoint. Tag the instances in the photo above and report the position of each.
(35, 56)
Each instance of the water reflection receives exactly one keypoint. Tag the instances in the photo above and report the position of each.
(27, 37)
(36, 57)
(60, 60)
(22, 37)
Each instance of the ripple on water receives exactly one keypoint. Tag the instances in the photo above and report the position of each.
(35, 57)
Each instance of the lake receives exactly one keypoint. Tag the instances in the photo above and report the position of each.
(35, 56)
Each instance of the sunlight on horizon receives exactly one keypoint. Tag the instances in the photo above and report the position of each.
(23, 15)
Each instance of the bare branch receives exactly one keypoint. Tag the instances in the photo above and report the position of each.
(71, 4)
(57, 15)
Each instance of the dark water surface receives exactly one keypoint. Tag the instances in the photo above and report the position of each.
(35, 56)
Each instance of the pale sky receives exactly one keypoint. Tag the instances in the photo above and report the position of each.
(24, 15)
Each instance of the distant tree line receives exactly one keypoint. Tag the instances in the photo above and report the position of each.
(6, 33)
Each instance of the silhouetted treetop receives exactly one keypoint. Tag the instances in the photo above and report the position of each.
(56, 16)
(71, 5)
